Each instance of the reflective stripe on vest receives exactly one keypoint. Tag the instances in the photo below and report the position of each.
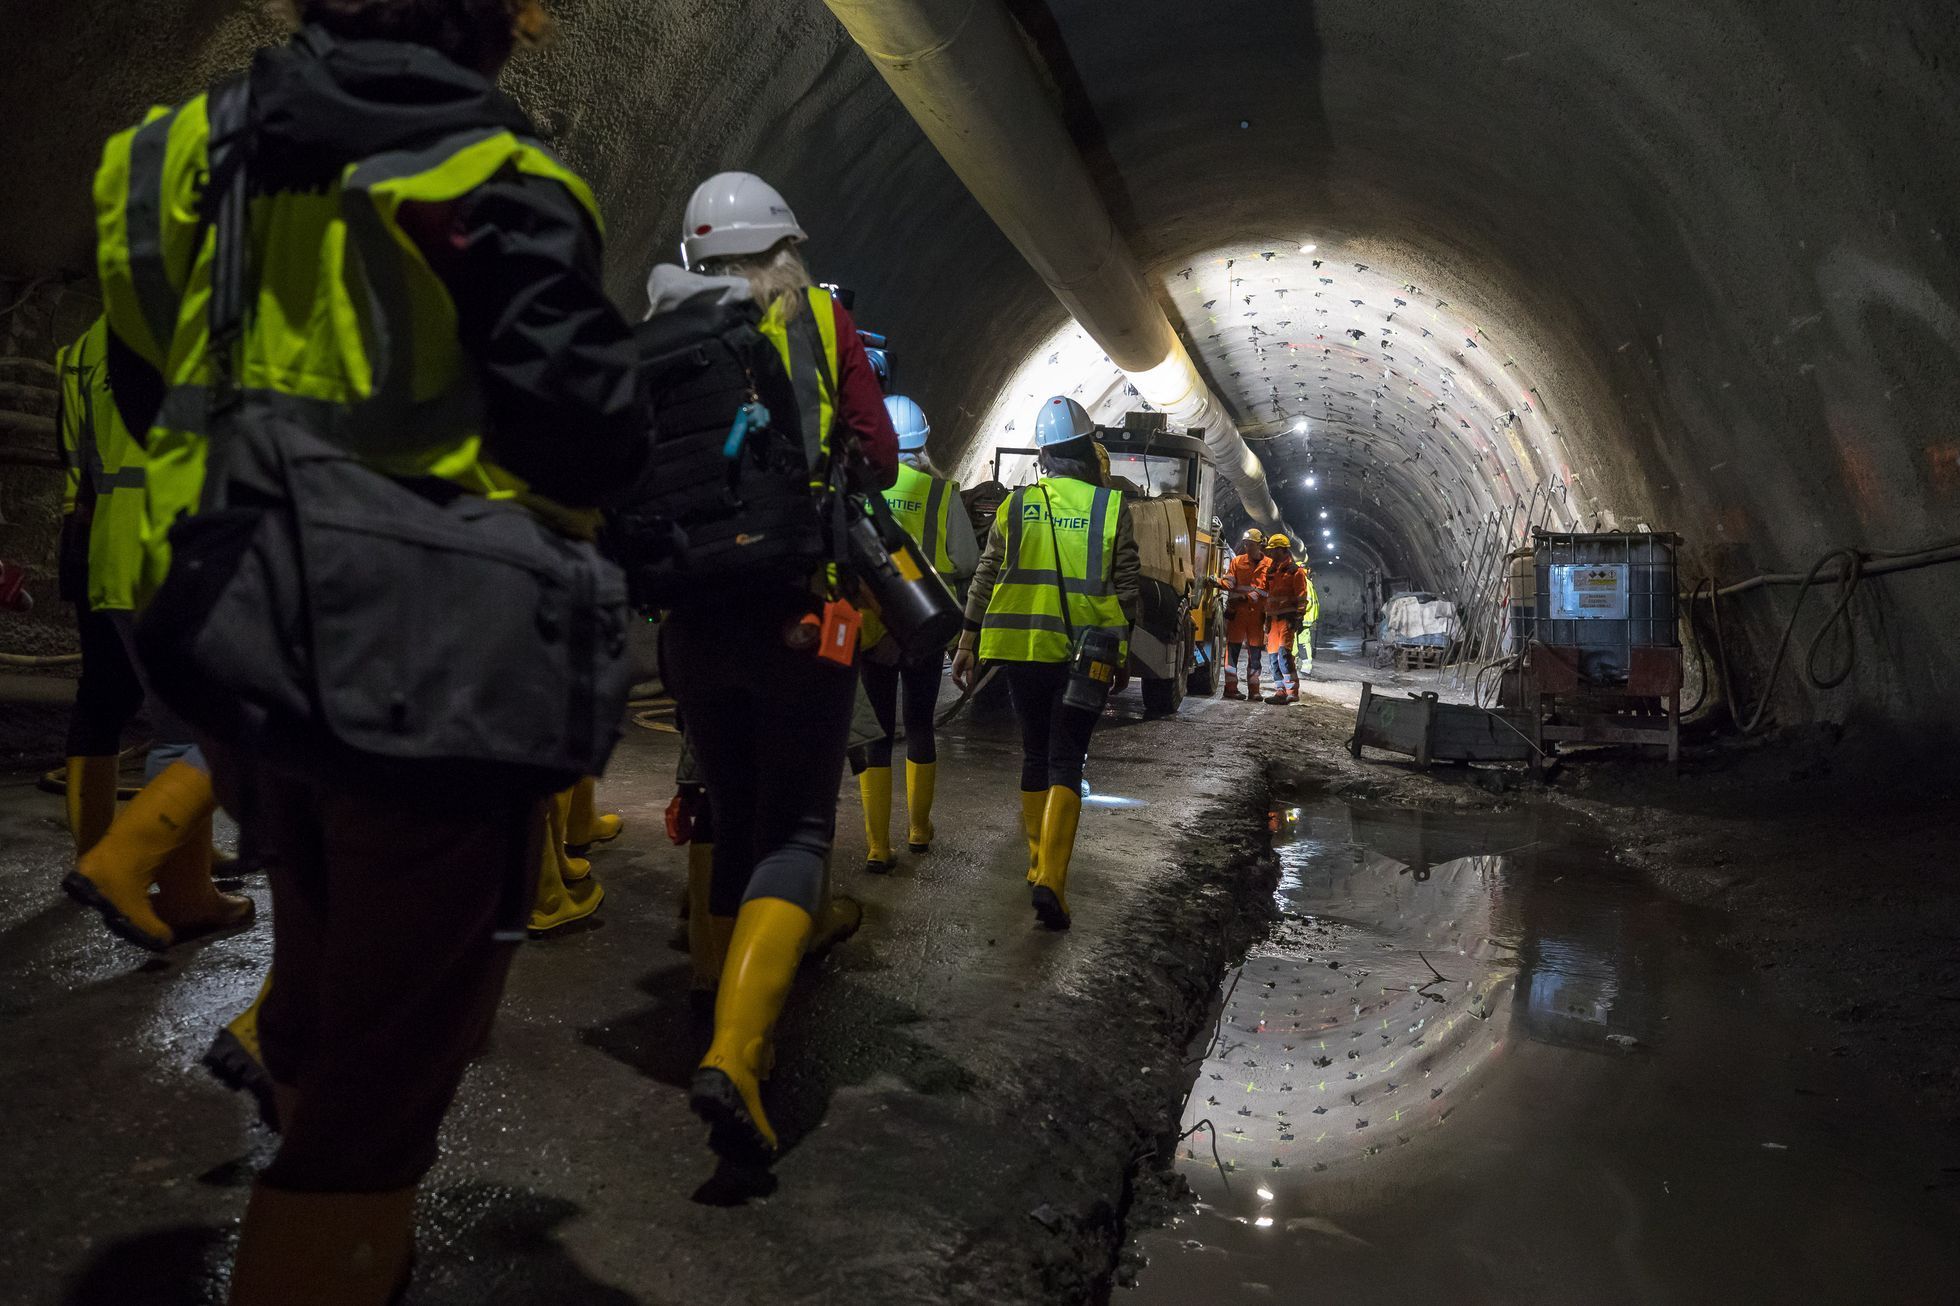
(921, 504)
(1025, 621)
(347, 328)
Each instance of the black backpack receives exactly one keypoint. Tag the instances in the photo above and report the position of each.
(721, 511)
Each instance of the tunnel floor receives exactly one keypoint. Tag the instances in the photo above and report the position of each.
(964, 1099)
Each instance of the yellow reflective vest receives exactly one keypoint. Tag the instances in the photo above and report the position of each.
(105, 470)
(349, 331)
(923, 505)
(1025, 619)
(810, 360)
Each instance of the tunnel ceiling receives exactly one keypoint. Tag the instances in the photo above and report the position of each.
(1708, 242)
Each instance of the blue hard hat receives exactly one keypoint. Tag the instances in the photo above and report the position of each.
(1061, 420)
(909, 420)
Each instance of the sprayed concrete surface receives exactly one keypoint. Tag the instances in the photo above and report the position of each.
(961, 1095)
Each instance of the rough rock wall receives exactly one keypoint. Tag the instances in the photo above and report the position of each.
(1718, 231)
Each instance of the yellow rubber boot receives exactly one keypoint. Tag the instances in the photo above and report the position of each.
(1033, 807)
(875, 790)
(920, 780)
(770, 935)
(115, 876)
(1058, 822)
(235, 1061)
(186, 898)
(91, 791)
(705, 952)
(323, 1249)
(586, 824)
(561, 901)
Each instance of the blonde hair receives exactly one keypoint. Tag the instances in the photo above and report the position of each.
(778, 273)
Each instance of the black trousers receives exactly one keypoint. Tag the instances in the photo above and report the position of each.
(395, 916)
(110, 693)
(768, 724)
(1054, 736)
(920, 681)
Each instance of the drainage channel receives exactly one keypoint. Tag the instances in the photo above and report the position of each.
(1478, 1059)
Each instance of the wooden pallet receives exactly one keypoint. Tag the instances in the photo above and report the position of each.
(1418, 657)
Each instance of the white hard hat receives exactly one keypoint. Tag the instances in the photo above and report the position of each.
(733, 214)
(1061, 420)
(909, 420)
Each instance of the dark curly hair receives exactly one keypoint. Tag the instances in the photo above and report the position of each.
(479, 34)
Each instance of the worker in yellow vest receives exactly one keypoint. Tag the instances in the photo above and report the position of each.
(146, 869)
(388, 182)
(929, 507)
(1053, 600)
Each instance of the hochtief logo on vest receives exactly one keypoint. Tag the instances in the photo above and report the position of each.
(1033, 512)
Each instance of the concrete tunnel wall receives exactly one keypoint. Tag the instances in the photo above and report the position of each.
(1699, 252)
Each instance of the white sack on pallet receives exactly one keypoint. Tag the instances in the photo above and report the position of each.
(1419, 619)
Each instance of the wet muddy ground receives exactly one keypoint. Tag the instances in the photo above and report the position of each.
(961, 1095)
(966, 1100)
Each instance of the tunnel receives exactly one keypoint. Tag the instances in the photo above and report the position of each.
(1446, 273)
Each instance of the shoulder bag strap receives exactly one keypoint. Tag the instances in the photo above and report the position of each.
(224, 210)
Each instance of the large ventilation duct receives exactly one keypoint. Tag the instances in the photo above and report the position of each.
(963, 68)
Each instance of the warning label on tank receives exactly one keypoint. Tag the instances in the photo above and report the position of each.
(1595, 592)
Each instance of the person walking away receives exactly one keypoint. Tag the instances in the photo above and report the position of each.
(1286, 588)
(1061, 564)
(505, 371)
(162, 840)
(766, 715)
(929, 507)
(1245, 613)
(1309, 620)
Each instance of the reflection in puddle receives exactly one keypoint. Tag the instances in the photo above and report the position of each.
(1479, 1059)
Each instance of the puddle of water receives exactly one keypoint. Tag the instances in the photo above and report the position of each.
(1479, 1060)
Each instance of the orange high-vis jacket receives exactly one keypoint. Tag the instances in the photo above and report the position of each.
(1243, 574)
(1286, 589)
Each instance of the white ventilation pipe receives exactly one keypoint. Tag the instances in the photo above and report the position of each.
(964, 69)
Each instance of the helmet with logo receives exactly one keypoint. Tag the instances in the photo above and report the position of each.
(1253, 535)
(1278, 541)
(733, 215)
(909, 420)
(1061, 420)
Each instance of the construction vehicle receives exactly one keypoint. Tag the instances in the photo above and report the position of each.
(1178, 644)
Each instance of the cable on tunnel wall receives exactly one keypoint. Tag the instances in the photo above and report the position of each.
(1853, 567)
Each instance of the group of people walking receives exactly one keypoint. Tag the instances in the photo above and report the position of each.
(1271, 607)
(357, 260)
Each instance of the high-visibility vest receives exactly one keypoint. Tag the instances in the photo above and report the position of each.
(1310, 612)
(816, 391)
(1024, 621)
(923, 505)
(105, 466)
(348, 330)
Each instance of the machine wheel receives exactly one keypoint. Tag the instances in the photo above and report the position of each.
(1203, 681)
(1161, 697)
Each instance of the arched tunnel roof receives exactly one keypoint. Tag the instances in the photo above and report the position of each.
(1687, 264)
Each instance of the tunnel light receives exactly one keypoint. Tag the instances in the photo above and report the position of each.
(1308, 248)
(1323, 514)
(1263, 1222)
(1265, 1194)
(1299, 423)
(1326, 534)
(1311, 482)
